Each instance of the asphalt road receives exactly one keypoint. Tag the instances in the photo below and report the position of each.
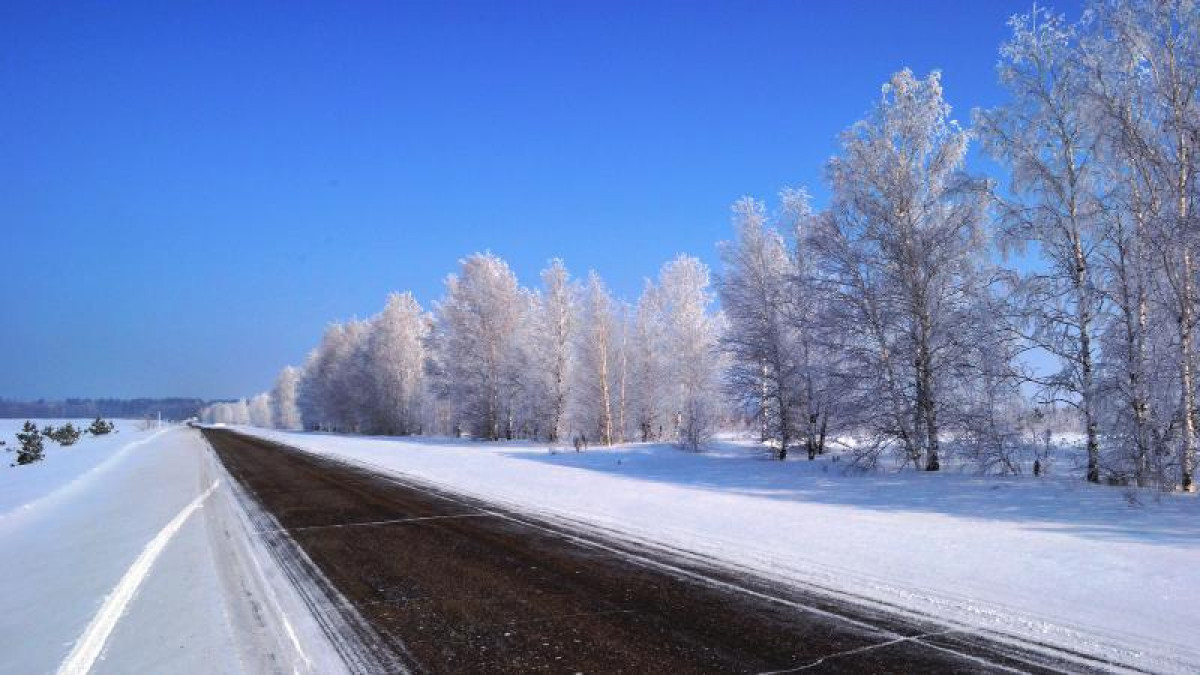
(447, 584)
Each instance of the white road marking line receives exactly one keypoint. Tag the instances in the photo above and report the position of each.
(291, 633)
(859, 650)
(368, 523)
(87, 649)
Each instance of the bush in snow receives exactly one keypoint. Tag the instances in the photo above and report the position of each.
(100, 427)
(65, 435)
(31, 449)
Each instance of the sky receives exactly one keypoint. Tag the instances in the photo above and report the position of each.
(190, 192)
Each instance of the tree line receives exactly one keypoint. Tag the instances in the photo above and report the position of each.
(903, 315)
(495, 360)
(136, 408)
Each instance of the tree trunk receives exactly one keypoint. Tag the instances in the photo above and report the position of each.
(1141, 397)
(783, 411)
(1083, 300)
(621, 387)
(606, 434)
(1187, 449)
(763, 413)
(927, 401)
(1134, 310)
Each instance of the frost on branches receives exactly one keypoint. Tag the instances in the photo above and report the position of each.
(887, 324)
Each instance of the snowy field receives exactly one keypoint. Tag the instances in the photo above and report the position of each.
(21, 487)
(1052, 561)
(128, 553)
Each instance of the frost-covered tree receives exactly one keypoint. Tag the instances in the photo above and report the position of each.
(286, 412)
(240, 411)
(394, 362)
(330, 390)
(1137, 375)
(260, 411)
(227, 412)
(479, 330)
(215, 413)
(778, 359)
(1147, 85)
(526, 399)
(648, 405)
(755, 292)
(596, 376)
(353, 379)
(817, 358)
(691, 334)
(551, 348)
(309, 388)
(232, 412)
(1042, 134)
(899, 249)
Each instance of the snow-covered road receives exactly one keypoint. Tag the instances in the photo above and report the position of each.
(128, 554)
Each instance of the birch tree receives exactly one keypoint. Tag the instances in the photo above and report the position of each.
(479, 322)
(259, 411)
(755, 293)
(1134, 332)
(1146, 86)
(597, 364)
(330, 392)
(900, 244)
(691, 349)
(395, 355)
(648, 367)
(806, 310)
(316, 388)
(551, 346)
(239, 412)
(1042, 135)
(283, 398)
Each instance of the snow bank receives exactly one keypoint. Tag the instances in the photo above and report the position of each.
(23, 486)
(1103, 570)
(120, 556)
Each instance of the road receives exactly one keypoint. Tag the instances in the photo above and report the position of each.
(132, 559)
(430, 581)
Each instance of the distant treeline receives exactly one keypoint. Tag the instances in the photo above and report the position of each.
(170, 408)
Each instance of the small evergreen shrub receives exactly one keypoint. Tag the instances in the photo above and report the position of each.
(66, 435)
(100, 427)
(31, 449)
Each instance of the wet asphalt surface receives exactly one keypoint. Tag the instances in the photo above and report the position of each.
(448, 584)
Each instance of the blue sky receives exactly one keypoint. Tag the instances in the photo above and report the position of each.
(190, 191)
